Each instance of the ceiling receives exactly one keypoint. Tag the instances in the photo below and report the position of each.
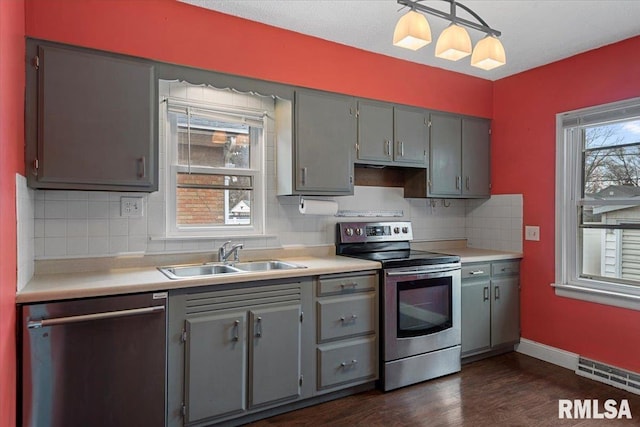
(534, 33)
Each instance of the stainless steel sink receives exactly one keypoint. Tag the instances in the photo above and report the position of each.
(190, 271)
(266, 265)
(207, 270)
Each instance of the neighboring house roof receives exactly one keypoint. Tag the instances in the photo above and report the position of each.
(241, 208)
(616, 192)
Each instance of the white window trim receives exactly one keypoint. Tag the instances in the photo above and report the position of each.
(258, 172)
(567, 281)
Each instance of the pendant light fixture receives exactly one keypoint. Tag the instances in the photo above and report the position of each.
(488, 54)
(412, 31)
(454, 43)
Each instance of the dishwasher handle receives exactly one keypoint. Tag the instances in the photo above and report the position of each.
(35, 324)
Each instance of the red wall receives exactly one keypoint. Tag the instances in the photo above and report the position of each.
(523, 159)
(174, 32)
(524, 108)
(11, 160)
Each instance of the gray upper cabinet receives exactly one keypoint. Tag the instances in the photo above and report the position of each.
(411, 132)
(445, 156)
(391, 135)
(476, 170)
(91, 120)
(320, 160)
(459, 156)
(375, 132)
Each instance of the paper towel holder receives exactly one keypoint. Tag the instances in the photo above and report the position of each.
(317, 206)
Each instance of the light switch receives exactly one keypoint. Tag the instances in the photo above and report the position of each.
(532, 232)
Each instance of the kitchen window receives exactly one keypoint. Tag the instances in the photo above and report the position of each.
(215, 169)
(598, 204)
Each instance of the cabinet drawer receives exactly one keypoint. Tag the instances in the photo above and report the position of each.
(473, 271)
(328, 285)
(347, 362)
(505, 268)
(347, 316)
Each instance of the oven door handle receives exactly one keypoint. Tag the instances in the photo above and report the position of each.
(419, 272)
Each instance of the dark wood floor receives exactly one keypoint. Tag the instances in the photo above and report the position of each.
(506, 390)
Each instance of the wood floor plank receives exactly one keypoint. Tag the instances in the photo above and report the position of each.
(507, 390)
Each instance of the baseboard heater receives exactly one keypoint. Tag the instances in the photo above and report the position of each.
(626, 380)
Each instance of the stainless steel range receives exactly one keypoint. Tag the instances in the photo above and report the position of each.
(419, 301)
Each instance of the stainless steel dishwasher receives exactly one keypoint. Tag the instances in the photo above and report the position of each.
(94, 362)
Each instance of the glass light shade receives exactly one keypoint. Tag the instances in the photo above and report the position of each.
(454, 43)
(488, 53)
(412, 31)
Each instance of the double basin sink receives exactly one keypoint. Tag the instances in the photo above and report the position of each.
(217, 269)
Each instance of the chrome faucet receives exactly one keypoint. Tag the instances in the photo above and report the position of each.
(224, 254)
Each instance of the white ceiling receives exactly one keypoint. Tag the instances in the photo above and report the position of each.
(534, 33)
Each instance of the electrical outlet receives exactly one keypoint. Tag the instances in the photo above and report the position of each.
(532, 232)
(131, 206)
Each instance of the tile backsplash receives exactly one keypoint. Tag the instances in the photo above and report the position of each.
(495, 223)
(81, 224)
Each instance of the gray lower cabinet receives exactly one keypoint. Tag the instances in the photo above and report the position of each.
(91, 120)
(490, 307)
(316, 144)
(459, 157)
(235, 351)
(346, 307)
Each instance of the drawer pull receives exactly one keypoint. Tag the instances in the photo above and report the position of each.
(476, 272)
(351, 318)
(353, 363)
(351, 285)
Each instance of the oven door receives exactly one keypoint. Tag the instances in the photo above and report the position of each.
(421, 310)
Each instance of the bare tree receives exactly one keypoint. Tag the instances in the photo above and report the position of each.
(609, 160)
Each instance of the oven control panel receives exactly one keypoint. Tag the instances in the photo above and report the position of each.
(362, 232)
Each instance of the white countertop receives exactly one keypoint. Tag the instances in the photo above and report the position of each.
(58, 286)
(124, 278)
(468, 255)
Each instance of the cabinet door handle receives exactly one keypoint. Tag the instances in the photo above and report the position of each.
(351, 318)
(259, 327)
(351, 285)
(387, 147)
(236, 331)
(467, 183)
(303, 178)
(353, 362)
(142, 167)
(497, 293)
(485, 293)
(457, 182)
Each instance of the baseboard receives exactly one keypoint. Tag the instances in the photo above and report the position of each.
(611, 375)
(548, 354)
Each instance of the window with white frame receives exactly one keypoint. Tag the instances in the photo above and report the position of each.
(215, 169)
(598, 204)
